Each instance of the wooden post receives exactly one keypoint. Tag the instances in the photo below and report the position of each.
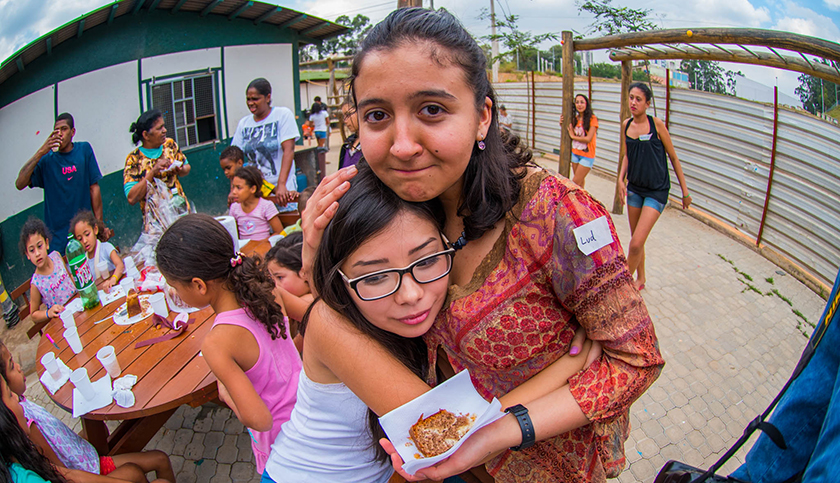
(626, 79)
(533, 111)
(409, 3)
(772, 165)
(568, 102)
(589, 75)
(668, 99)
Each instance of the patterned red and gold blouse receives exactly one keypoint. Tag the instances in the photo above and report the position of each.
(519, 313)
(137, 164)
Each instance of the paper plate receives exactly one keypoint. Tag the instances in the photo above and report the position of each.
(121, 315)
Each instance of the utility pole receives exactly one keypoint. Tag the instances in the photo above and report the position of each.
(495, 44)
(409, 3)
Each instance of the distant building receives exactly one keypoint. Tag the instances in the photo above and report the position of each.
(756, 91)
(677, 78)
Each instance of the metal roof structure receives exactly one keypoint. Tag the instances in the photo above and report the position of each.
(311, 29)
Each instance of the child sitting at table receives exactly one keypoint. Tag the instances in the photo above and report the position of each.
(231, 159)
(284, 264)
(86, 229)
(21, 460)
(255, 216)
(248, 348)
(51, 282)
(75, 458)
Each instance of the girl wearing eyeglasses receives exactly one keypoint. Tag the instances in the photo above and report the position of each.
(384, 265)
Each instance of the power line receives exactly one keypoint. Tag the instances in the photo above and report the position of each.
(368, 7)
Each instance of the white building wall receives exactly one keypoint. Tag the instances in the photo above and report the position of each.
(24, 126)
(309, 90)
(110, 92)
(247, 62)
(189, 61)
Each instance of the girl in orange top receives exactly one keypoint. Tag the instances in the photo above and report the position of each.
(582, 130)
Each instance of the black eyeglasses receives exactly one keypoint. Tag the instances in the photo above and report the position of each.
(383, 283)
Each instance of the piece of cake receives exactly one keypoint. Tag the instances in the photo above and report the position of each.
(439, 432)
(132, 304)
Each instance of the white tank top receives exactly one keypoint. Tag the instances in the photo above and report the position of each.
(326, 439)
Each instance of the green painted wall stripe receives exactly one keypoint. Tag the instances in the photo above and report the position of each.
(55, 101)
(224, 92)
(140, 83)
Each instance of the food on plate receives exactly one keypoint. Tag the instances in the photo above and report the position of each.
(132, 303)
(439, 432)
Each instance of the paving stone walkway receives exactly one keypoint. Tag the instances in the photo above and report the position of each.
(729, 349)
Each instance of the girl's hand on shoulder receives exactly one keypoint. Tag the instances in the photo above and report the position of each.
(55, 310)
(320, 209)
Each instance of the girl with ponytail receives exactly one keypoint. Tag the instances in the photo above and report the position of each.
(248, 348)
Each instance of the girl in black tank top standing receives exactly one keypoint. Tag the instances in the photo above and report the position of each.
(645, 181)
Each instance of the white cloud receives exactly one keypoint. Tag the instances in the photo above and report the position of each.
(832, 4)
(802, 20)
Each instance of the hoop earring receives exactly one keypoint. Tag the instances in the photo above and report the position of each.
(481, 145)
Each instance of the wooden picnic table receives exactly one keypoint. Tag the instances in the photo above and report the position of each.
(169, 373)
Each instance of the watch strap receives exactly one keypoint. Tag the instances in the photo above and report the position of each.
(525, 425)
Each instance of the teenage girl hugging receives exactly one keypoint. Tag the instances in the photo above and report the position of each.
(248, 348)
(645, 181)
(290, 286)
(582, 128)
(519, 286)
(382, 275)
(51, 283)
(256, 217)
(87, 230)
(65, 454)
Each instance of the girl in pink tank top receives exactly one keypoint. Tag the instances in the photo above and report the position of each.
(249, 348)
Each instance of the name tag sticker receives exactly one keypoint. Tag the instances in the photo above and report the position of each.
(593, 235)
(645, 137)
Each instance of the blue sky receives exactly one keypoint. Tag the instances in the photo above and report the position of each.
(25, 20)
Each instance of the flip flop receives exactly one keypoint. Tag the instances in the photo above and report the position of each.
(641, 287)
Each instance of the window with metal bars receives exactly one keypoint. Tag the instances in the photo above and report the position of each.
(189, 109)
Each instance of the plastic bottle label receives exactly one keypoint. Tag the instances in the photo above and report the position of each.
(80, 270)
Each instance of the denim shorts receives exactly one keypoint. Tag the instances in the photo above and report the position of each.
(320, 134)
(638, 201)
(582, 160)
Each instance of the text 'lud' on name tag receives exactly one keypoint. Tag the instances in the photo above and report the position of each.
(645, 137)
(593, 235)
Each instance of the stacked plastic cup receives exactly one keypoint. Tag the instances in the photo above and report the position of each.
(131, 268)
(102, 268)
(158, 303)
(67, 319)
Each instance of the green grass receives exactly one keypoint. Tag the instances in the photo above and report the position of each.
(769, 280)
(801, 316)
(785, 299)
(749, 286)
(725, 259)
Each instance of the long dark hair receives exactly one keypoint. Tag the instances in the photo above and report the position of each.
(288, 254)
(492, 178)
(15, 445)
(365, 210)
(145, 122)
(87, 216)
(33, 226)
(587, 114)
(642, 87)
(198, 246)
(252, 176)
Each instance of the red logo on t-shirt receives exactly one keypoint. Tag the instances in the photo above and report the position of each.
(65, 170)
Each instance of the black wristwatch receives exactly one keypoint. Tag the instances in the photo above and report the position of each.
(525, 425)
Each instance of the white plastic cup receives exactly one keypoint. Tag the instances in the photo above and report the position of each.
(50, 364)
(108, 357)
(102, 268)
(158, 302)
(127, 284)
(67, 319)
(71, 335)
(129, 263)
(80, 379)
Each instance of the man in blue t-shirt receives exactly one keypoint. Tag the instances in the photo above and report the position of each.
(69, 175)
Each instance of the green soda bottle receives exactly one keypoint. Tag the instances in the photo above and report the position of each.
(81, 273)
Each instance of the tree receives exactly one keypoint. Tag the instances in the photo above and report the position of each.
(606, 70)
(611, 20)
(519, 43)
(345, 44)
(816, 94)
(709, 76)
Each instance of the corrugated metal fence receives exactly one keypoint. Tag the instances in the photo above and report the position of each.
(724, 145)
